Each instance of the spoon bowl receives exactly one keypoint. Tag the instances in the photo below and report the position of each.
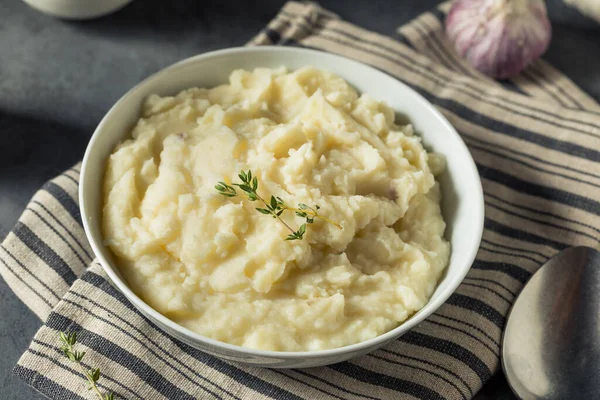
(551, 345)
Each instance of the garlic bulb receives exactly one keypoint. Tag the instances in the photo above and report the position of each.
(499, 37)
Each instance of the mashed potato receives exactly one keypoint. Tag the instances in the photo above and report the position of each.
(220, 268)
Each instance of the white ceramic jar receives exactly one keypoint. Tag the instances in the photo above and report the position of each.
(77, 9)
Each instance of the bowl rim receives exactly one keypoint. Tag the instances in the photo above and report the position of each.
(477, 214)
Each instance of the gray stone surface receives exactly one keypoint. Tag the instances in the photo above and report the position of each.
(57, 79)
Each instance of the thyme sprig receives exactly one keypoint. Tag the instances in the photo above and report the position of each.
(275, 206)
(93, 375)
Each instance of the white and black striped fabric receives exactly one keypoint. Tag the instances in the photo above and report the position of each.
(536, 141)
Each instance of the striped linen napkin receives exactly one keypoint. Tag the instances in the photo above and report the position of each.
(535, 140)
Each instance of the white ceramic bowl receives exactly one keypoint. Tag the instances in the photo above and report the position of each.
(461, 186)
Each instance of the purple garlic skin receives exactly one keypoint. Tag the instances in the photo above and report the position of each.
(500, 38)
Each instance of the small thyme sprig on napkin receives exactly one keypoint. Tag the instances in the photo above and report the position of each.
(275, 207)
(93, 375)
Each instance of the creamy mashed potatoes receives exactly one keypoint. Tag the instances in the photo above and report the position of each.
(219, 267)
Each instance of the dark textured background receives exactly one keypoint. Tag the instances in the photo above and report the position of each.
(58, 78)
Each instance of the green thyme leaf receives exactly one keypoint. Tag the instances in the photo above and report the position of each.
(293, 236)
(63, 338)
(79, 355)
(302, 230)
(225, 189)
(95, 374)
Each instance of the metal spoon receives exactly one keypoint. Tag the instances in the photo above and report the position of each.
(551, 346)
